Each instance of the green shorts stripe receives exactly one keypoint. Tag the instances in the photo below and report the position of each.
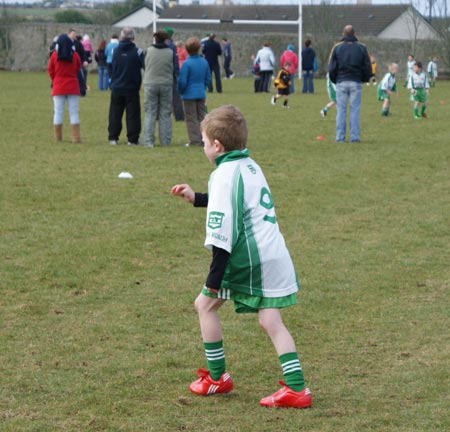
(244, 303)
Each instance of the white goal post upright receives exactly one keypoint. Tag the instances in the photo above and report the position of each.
(241, 22)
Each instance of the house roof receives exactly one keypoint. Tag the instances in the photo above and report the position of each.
(368, 20)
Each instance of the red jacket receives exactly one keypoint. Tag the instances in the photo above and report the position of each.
(292, 58)
(64, 75)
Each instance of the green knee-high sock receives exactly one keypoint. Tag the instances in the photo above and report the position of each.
(292, 371)
(423, 109)
(215, 358)
(416, 111)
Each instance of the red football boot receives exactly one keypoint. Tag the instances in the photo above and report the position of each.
(285, 398)
(206, 386)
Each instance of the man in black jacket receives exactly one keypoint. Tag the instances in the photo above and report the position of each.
(126, 79)
(212, 50)
(349, 66)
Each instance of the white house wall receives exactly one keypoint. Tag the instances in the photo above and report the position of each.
(139, 19)
(408, 26)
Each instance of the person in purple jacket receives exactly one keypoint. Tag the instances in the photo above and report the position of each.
(194, 78)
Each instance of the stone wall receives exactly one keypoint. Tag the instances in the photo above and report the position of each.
(24, 47)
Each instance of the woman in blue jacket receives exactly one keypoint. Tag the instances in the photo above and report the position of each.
(194, 78)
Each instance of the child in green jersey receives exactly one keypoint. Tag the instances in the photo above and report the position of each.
(419, 85)
(386, 87)
(250, 262)
(331, 89)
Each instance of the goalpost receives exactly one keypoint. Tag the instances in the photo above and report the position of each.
(298, 22)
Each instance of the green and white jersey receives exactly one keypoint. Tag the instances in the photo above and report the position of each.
(388, 82)
(241, 219)
(331, 89)
(418, 81)
(432, 69)
(410, 68)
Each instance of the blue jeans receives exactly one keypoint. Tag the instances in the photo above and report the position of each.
(103, 79)
(292, 87)
(308, 81)
(348, 91)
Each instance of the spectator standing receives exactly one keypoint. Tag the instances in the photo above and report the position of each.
(109, 51)
(102, 69)
(349, 67)
(212, 51)
(89, 53)
(266, 61)
(227, 57)
(178, 112)
(126, 79)
(194, 78)
(158, 81)
(290, 56)
(308, 67)
(181, 52)
(63, 67)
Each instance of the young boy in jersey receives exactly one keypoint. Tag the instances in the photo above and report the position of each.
(331, 89)
(419, 85)
(282, 83)
(432, 71)
(387, 87)
(409, 68)
(250, 262)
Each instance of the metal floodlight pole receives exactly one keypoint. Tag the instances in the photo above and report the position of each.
(154, 16)
(300, 23)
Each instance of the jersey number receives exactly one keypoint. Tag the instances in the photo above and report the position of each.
(267, 202)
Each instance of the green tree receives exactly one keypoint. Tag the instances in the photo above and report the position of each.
(72, 16)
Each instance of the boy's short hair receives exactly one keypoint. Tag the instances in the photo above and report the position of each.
(392, 66)
(418, 64)
(287, 64)
(227, 125)
(193, 45)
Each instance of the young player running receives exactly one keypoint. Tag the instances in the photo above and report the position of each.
(331, 89)
(250, 262)
(282, 83)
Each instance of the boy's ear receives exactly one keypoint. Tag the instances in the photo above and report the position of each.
(219, 147)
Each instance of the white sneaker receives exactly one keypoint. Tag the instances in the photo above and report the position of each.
(187, 145)
(272, 100)
(232, 75)
(113, 142)
(323, 113)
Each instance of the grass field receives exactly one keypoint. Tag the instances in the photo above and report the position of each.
(98, 274)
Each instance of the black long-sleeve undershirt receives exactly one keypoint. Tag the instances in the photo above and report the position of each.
(219, 256)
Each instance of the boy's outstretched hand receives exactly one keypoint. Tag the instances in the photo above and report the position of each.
(184, 191)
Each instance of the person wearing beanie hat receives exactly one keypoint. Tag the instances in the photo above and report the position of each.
(290, 56)
(169, 31)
